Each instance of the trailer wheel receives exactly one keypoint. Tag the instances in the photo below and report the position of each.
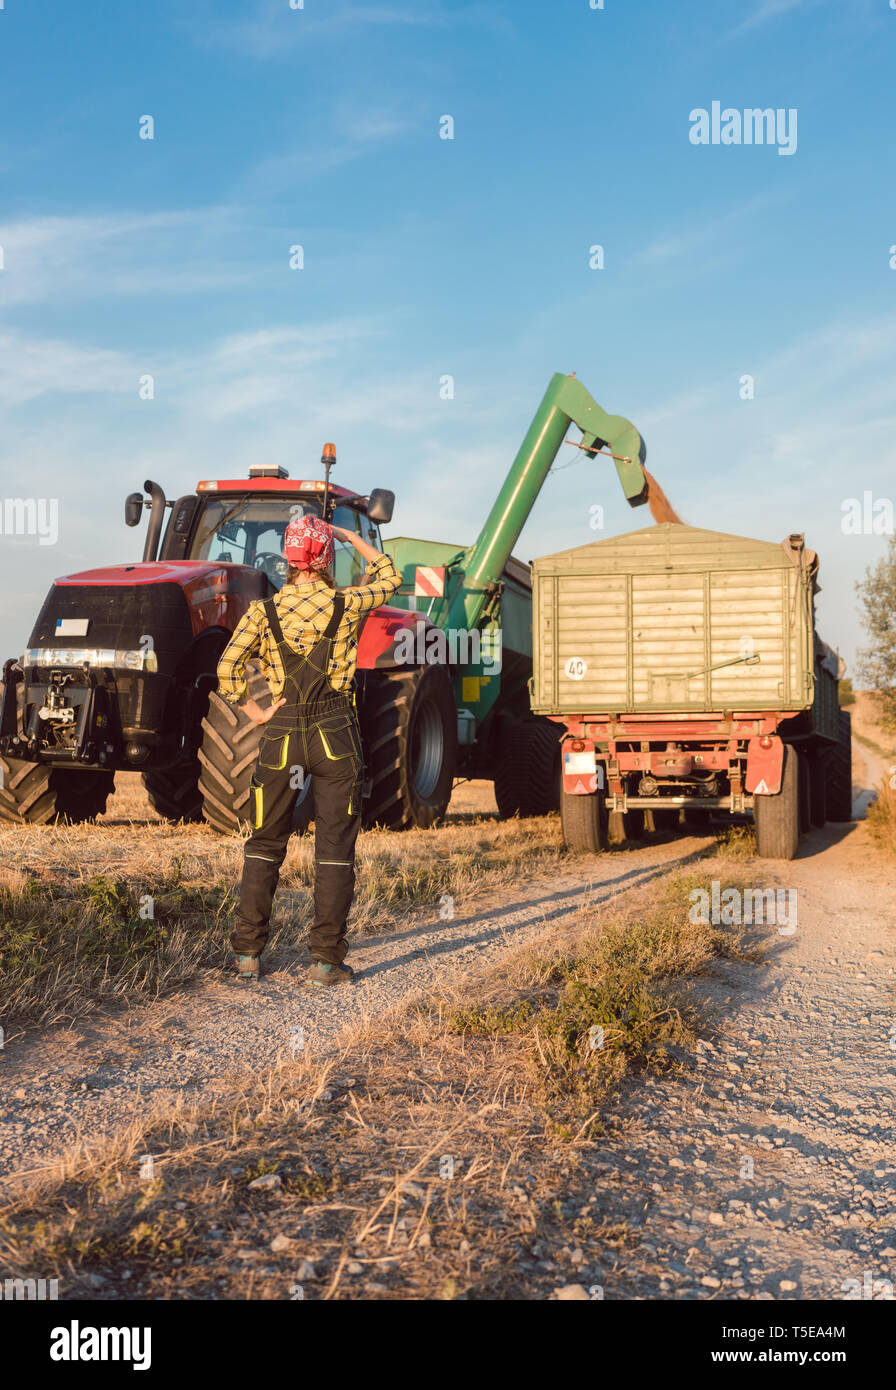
(174, 793)
(817, 789)
(839, 773)
(805, 794)
(528, 774)
(625, 825)
(583, 821)
(777, 816)
(409, 734)
(227, 761)
(37, 794)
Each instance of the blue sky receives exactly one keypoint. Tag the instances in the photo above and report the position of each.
(425, 257)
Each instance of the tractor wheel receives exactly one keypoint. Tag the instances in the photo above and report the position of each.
(777, 816)
(227, 757)
(409, 735)
(227, 761)
(35, 794)
(527, 778)
(174, 792)
(817, 790)
(583, 820)
(839, 773)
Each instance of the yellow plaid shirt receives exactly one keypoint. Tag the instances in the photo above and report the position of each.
(304, 611)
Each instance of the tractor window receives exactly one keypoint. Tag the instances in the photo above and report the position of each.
(229, 544)
(348, 570)
(248, 531)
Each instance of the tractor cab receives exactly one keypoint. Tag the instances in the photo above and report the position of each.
(243, 523)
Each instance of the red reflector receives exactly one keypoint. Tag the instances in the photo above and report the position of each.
(765, 741)
(577, 746)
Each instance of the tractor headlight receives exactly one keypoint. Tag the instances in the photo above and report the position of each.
(116, 658)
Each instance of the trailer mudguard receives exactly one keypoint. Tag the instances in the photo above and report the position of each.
(765, 762)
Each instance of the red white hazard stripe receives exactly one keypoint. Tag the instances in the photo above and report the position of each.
(429, 581)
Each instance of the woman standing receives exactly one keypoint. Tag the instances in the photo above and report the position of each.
(306, 640)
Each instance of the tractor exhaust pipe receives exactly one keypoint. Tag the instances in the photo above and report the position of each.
(156, 516)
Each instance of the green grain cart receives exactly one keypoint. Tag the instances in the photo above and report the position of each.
(686, 672)
(479, 599)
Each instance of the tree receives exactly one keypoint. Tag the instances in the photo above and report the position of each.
(845, 693)
(877, 600)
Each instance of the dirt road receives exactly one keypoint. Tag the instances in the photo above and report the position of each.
(772, 1173)
(73, 1084)
(769, 1173)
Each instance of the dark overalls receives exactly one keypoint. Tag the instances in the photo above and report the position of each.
(315, 732)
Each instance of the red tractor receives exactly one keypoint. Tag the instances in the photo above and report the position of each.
(119, 673)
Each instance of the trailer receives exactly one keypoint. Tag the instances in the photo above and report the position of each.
(685, 671)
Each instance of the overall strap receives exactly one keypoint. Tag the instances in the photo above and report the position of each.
(330, 630)
(335, 617)
(270, 613)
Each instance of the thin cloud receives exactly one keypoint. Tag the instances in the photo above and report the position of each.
(273, 29)
(765, 13)
(684, 242)
(103, 257)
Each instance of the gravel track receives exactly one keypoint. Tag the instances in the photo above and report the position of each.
(69, 1085)
(770, 1172)
(797, 1075)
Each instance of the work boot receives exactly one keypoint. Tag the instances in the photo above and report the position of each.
(248, 969)
(323, 975)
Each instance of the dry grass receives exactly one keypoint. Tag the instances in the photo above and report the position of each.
(443, 1154)
(881, 816)
(871, 729)
(75, 929)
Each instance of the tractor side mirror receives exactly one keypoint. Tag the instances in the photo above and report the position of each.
(380, 505)
(133, 509)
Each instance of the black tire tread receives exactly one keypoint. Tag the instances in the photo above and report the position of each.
(583, 821)
(174, 792)
(839, 773)
(527, 775)
(777, 817)
(227, 757)
(388, 709)
(38, 794)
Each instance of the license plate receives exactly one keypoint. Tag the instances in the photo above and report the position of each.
(580, 764)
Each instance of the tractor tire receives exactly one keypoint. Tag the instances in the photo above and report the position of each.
(36, 794)
(838, 790)
(227, 757)
(777, 816)
(528, 775)
(817, 790)
(583, 821)
(174, 792)
(409, 736)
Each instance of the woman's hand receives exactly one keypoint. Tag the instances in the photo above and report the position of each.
(364, 548)
(258, 715)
